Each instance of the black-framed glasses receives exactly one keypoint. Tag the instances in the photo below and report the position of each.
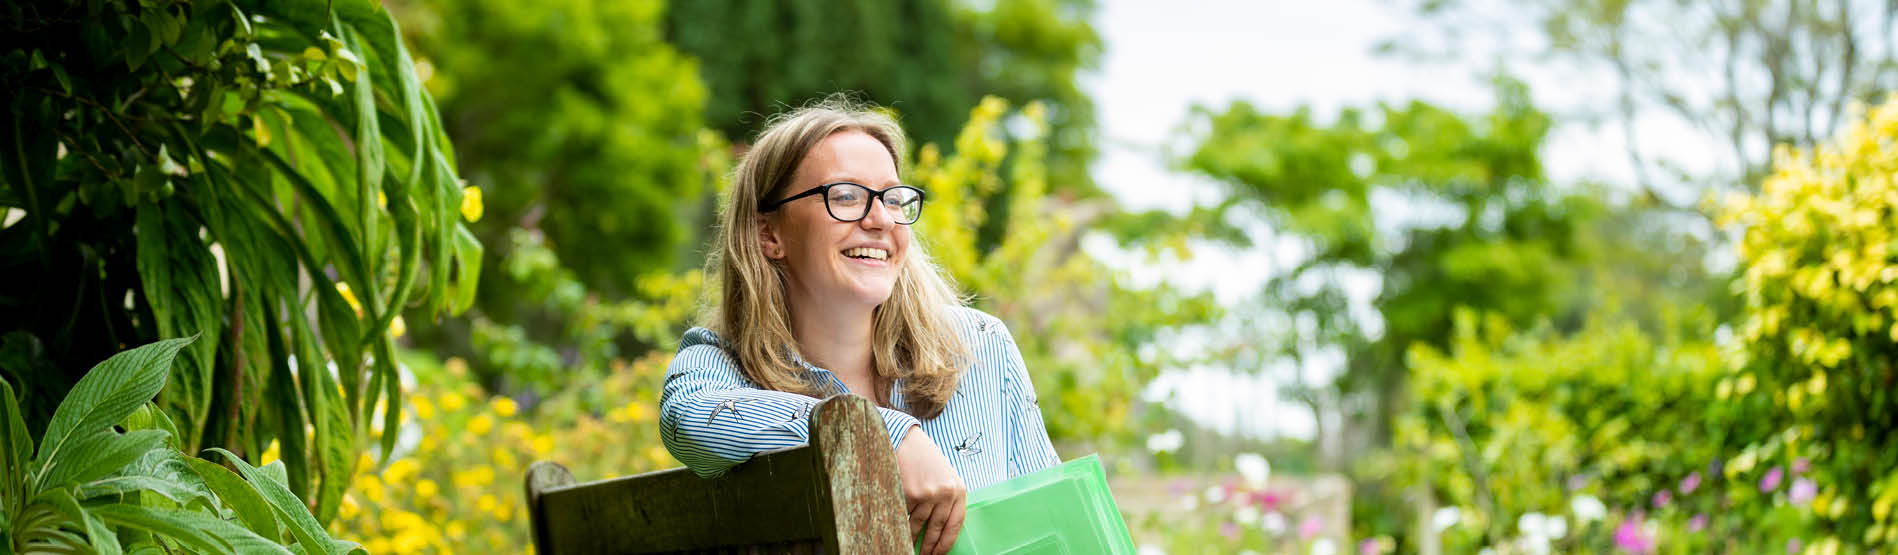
(849, 202)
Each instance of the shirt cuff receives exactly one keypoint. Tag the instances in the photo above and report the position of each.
(899, 424)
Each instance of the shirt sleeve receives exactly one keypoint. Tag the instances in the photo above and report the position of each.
(711, 418)
(1028, 447)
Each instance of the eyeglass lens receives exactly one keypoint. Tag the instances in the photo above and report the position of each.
(850, 202)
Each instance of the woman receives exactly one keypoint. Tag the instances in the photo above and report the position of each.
(826, 291)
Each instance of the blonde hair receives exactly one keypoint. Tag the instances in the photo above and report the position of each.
(914, 334)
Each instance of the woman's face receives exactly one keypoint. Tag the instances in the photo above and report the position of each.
(830, 261)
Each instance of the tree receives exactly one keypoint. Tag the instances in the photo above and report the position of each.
(1442, 211)
(1748, 73)
(270, 177)
(583, 129)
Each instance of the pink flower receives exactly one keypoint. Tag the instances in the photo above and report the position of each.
(1369, 547)
(1229, 530)
(1662, 497)
(1770, 481)
(1690, 483)
(1803, 490)
(1309, 527)
(1630, 538)
(1698, 523)
(1267, 500)
(1792, 546)
(1801, 465)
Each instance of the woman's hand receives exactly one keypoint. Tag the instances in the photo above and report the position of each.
(937, 498)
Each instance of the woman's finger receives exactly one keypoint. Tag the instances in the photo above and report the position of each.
(952, 528)
(918, 516)
(938, 518)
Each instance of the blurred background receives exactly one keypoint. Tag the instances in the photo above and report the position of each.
(1368, 276)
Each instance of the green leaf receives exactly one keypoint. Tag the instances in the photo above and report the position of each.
(240, 496)
(108, 393)
(18, 446)
(199, 531)
(181, 494)
(98, 455)
(288, 508)
(98, 536)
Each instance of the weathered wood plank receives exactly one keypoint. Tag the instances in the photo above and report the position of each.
(838, 495)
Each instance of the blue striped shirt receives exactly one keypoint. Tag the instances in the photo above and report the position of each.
(712, 418)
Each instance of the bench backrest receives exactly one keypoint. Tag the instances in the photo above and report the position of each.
(839, 494)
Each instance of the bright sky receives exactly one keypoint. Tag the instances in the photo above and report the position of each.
(1164, 57)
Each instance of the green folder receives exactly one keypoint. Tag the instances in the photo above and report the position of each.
(1066, 509)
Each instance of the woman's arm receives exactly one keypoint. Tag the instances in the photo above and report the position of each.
(711, 418)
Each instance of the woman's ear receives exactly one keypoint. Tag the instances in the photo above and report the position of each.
(768, 240)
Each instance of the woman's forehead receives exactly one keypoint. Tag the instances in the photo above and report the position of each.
(852, 156)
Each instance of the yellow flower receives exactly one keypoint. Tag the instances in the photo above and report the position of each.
(423, 409)
(452, 401)
(426, 489)
(401, 470)
(271, 453)
(504, 459)
(471, 203)
(480, 425)
(486, 502)
(543, 445)
(659, 455)
(503, 406)
(371, 489)
(349, 297)
(398, 328)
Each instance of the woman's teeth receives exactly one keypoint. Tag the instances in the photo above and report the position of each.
(863, 252)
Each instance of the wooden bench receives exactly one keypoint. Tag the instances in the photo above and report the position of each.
(838, 495)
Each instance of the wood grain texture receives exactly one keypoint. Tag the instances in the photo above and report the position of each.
(840, 494)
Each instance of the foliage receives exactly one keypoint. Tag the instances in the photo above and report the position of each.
(1819, 261)
(459, 488)
(1505, 424)
(579, 122)
(1751, 74)
(94, 489)
(1089, 369)
(585, 130)
(229, 169)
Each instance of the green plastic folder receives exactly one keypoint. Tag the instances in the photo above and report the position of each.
(1066, 509)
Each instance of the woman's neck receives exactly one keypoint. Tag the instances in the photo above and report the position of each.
(838, 340)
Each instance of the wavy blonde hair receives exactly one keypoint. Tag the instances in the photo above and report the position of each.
(915, 338)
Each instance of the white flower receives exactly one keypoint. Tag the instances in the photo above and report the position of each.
(1274, 523)
(1247, 514)
(1324, 546)
(1215, 494)
(1555, 527)
(1445, 518)
(1587, 508)
(1531, 524)
(1189, 502)
(1150, 549)
(1165, 442)
(1253, 467)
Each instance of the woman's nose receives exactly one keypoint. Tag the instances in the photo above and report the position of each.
(880, 216)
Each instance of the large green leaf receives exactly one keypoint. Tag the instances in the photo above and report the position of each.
(98, 455)
(290, 510)
(181, 284)
(108, 393)
(240, 496)
(199, 531)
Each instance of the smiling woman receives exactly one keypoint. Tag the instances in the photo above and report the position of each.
(825, 291)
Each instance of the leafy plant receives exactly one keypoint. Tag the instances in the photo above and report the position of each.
(91, 488)
(269, 174)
